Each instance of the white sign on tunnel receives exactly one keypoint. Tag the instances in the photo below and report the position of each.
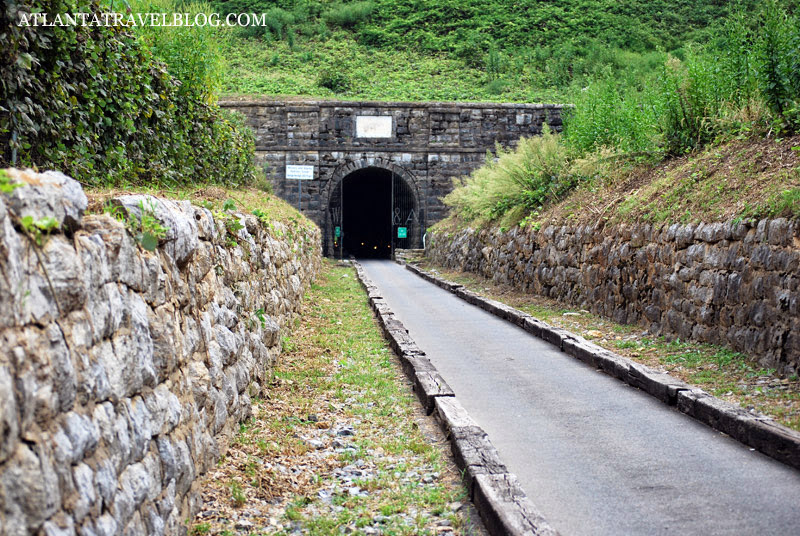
(300, 173)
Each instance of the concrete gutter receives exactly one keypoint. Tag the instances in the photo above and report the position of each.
(496, 493)
(757, 431)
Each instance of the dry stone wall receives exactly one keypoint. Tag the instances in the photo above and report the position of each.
(123, 372)
(736, 284)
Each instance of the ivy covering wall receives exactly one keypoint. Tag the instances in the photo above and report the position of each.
(94, 102)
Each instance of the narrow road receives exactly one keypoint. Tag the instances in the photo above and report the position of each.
(594, 455)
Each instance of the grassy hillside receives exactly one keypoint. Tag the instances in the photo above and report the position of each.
(712, 136)
(455, 49)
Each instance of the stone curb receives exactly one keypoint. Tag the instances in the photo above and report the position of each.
(756, 431)
(496, 493)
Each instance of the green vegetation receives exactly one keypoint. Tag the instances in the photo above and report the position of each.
(520, 181)
(456, 49)
(6, 185)
(744, 81)
(337, 372)
(145, 227)
(38, 230)
(742, 84)
(96, 103)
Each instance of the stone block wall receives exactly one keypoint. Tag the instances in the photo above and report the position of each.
(431, 143)
(736, 284)
(123, 372)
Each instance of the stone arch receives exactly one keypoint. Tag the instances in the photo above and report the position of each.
(347, 167)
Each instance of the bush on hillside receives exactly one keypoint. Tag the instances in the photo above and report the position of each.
(722, 89)
(609, 114)
(93, 102)
(524, 179)
(334, 77)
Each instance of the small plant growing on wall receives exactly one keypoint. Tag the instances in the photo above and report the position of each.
(147, 230)
(6, 186)
(38, 230)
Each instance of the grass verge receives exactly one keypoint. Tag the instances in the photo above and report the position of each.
(729, 375)
(340, 445)
(214, 198)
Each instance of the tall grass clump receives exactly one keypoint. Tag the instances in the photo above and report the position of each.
(517, 181)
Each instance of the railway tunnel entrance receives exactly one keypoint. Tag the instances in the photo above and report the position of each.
(373, 211)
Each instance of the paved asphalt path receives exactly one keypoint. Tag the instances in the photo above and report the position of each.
(594, 455)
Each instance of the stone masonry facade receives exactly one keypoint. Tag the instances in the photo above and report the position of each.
(731, 283)
(428, 144)
(124, 372)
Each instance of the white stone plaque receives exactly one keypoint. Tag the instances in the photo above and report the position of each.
(301, 173)
(373, 126)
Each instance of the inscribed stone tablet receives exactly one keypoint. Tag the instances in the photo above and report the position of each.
(374, 126)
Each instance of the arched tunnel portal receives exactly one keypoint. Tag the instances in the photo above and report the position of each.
(372, 211)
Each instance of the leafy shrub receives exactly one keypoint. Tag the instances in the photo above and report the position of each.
(93, 102)
(497, 86)
(471, 48)
(495, 63)
(722, 89)
(611, 113)
(279, 21)
(691, 102)
(334, 78)
(348, 15)
(778, 52)
(191, 53)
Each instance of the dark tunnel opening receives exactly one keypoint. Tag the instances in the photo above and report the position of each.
(370, 202)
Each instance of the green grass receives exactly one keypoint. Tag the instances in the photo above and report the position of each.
(199, 529)
(454, 49)
(365, 74)
(366, 373)
(784, 203)
(339, 368)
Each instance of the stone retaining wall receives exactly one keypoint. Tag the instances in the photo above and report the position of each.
(124, 372)
(722, 283)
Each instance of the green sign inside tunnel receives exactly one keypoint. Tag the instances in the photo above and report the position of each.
(402, 232)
